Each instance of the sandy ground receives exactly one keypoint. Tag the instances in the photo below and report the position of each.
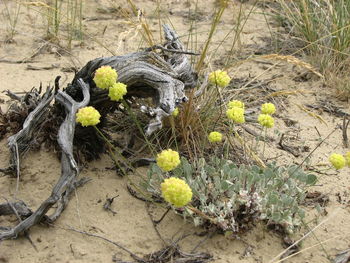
(131, 226)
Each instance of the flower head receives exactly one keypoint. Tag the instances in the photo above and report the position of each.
(266, 120)
(268, 108)
(105, 77)
(117, 91)
(235, 103)
(88, 116)
(219, 78)
(176, 191)
(167, 160)
(175, 112)
(236, 114)
(215, 136)
(337, 160)
(347, 158)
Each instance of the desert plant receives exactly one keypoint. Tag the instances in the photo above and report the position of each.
(63, 16)
(52, 11)
(233, 197)
(74, 21)
(324, 27)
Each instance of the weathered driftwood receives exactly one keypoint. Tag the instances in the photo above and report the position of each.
(69, 168)
(162, 76)
(18, 143)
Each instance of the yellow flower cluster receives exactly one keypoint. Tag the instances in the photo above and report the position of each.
(215, 136)
(117, 91)
(167, 160)
(268, 108)
(235, 103)
(175, 112)
(219, 78)
(236, 114)
(266, 120)
(105, 77)
(88, 116)
(337, 160)
(176, 192)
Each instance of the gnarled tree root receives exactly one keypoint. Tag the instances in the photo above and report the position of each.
(69, 168)
(18, 143)
(162, 76)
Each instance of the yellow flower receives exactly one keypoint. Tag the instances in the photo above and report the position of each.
(175, 112)
(176, 192)
(266, 120)
(167, 160)
(215, 136)
(105, 77)
(88, 116)
(347, 158)
(337, 160)
(236, 114)
(268, 108)
(235, 103)
(117, 91)
(219, 78)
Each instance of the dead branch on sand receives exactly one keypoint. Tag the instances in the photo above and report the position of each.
(162, 76)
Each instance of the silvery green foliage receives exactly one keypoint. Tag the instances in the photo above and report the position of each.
(235, 197)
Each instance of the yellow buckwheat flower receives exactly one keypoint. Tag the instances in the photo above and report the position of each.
(236, 114)
(347, 158)
(176, 192)
(266, 120)
(117, 91)
(235, 103)
(175, 112)
(105, 77)
(219, 78)
(215, 136)
(167, 160)
(88, 116)
(337, 160)
(268, 108)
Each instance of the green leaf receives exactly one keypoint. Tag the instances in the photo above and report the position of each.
(287, 200)
(311, 179)
(276, 216)
(300, 176)
(319, 209)
(273, 199)
(187, 169)
(301, 213)
(268, 173)
(217, 182)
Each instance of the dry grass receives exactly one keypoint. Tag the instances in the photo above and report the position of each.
(324, 27)
(11, 15)
(295, 61)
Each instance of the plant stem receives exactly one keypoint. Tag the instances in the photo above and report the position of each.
(149, 144)
(265, 133)
(162, 217)
(318, 145)
(257, 141)
(211, 33)
(111, 150)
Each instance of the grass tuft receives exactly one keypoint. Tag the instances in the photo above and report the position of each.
(324, 27)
